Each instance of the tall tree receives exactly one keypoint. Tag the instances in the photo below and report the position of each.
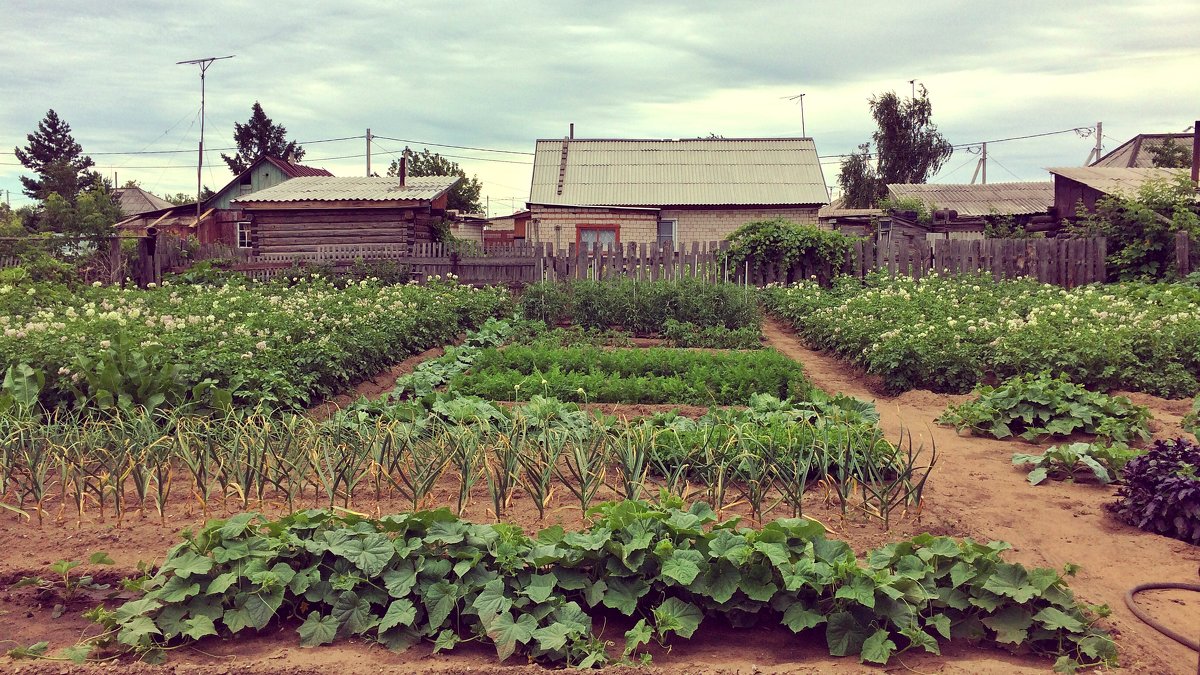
(908, 148)
(260, 136)
(463, 197)
(57, 159)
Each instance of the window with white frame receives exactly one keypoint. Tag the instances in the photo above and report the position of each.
(667, 232)
(243, 234)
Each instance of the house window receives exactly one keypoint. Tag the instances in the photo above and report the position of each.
(605, 235)
(243, 234)
(668, 232)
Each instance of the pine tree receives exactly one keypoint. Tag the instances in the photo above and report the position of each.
(58, 160)
(463, 197)
(260, 136)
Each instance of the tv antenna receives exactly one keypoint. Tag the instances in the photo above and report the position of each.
(204, 64)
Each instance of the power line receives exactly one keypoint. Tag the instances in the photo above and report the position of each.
(457, 147)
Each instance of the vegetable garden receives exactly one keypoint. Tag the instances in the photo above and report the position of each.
(591, 474)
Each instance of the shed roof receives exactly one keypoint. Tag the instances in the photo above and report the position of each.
(1135, 152)
(135, 200)
(358, 188)
(688, 172)
(1114, 180)
(837, 209)
(1003, 199)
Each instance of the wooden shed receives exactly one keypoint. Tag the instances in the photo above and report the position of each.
(299, 215)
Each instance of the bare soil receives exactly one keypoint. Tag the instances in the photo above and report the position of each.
(974, 491)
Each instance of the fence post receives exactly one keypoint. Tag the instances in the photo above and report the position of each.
(1183, 253)
(114, 260)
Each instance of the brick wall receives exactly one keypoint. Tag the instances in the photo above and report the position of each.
(634, 226)
(717, 224)
(642, 226)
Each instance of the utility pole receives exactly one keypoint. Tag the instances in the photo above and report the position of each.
(1095, 152)
(982, 165)
(368, 152)
(204, 64)
(913, 82)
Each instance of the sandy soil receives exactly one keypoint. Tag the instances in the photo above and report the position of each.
(974, 492)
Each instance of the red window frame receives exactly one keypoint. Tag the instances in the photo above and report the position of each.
(612, 226)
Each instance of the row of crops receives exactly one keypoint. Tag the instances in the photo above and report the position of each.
(145, 406)
(949, 334)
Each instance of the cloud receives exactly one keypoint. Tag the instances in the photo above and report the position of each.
(501, 74)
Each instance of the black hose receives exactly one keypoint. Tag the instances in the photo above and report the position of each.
(1139, 613)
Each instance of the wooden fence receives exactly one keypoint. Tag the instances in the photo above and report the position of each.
(1064, 262)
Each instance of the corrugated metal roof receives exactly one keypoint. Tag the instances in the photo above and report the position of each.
(727, 171)
(1135, 152)
(365, 189)
(1114, 180)
(135, 200)
(294, 170)
(837, 209)
(1004, 199)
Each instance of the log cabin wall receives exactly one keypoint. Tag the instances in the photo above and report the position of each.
(300, 231)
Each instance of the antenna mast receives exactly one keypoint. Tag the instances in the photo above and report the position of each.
(204, 64)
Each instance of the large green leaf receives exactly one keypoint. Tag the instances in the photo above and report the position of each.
(317, 630)
(1011, 625)
(677, 616)
(844, 634)
(507, 633)
(682, 566)
(798, 617)
(188, 563)
(1011, 581)
(399, 613)
(623, 594)
(353, 614)
(878, 648)
(1054, 618)
(440, 599)
(370, 554)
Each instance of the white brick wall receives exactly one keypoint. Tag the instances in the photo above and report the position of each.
(642, 226)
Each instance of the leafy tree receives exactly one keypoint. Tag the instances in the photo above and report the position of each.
(57, 159)
(1141, 230)
(180, 198)
(260, 136)
(93, 214)
(1171, 155)
(464, 196)
(908, 146)
(858, 180)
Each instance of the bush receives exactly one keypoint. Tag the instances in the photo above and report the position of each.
(765, 243)
(1162, 491)
(1065, 462)
(1035, 406)
(642, 307)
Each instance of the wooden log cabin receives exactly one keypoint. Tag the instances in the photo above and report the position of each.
(296, 217)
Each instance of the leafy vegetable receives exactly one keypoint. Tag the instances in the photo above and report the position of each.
(1162, 491)
(1064, 462)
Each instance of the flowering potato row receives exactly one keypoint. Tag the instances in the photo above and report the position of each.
(262, 342)
(949, 333)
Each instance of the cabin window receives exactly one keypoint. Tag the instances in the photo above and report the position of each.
(243, 234)
(668, 232)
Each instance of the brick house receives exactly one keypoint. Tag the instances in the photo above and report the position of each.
(654, 191)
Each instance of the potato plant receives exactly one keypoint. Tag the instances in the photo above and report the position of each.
(951, 333)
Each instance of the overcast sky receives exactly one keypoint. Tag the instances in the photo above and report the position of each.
(500, 74)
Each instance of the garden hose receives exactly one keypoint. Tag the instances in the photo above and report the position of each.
(1148, 620)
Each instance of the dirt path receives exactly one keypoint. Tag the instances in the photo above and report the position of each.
(976, 491)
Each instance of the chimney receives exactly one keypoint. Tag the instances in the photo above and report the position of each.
(403, 169)
(572, 130)
(1196, 154)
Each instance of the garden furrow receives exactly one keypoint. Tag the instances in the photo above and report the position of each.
(975, 491)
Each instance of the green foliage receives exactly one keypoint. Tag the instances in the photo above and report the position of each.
(909, 147)
(1006, 227)
(427, 576)
(642, 307)
(654, 375)
(1191, 421)
(1170, 155)
(57, 159)
(1103, 463)
(909, 204)
(463, 197)
(1141, 231)
(688, 334)
(260, 136)
(1038, 406)
(279, 344)
(63, 586)
(783, 243)
(949, 333)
